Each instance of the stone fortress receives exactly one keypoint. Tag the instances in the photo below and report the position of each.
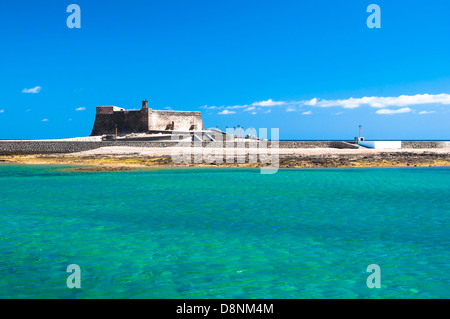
(113, 120)
(147, 128)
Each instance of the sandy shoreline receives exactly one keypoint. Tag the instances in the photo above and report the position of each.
(117, 158)
(167, 151)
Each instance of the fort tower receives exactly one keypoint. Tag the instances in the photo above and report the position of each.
(144, 120)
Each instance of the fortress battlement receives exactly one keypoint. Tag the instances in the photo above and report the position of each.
(110, 118)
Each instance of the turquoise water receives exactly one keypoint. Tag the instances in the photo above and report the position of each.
(225, 233)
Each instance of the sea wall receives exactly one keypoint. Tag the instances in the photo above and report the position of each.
(315, 144)
(50, 147)
(425, 144)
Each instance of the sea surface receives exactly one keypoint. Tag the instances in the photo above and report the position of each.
(225, 233)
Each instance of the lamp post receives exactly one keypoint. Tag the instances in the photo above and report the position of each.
(360, 131)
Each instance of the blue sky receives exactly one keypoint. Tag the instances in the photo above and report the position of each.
(311, 68)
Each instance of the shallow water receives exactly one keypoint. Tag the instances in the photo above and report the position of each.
(225, 233)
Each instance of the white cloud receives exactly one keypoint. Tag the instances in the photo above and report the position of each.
(307, 113)
(389, 111)
(34, 90)
(226, 112)
(253, 113)
(291, 109)
(2, 111)
(268, 111)
(402, 102)
(255, 106)
(212, 107)
(269, 102)
(380, 102)
(311, 102)
(426, 112)
(80, 108)
(339, 113)
(45, 120)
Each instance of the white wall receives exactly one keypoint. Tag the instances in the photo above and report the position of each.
(381, 144)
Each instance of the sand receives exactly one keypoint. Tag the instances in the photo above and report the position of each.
(118, 158)
(168, 151)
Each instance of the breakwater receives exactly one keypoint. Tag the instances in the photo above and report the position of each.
(12, 147)
(425, 144)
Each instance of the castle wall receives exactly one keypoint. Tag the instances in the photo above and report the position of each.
(158, 120)
(142, 121)
(108, 109)
(127, 122)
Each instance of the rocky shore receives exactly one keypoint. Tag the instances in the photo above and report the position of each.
(119, 159)
(380, 159)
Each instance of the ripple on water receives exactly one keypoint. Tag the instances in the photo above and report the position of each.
(213, 233)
